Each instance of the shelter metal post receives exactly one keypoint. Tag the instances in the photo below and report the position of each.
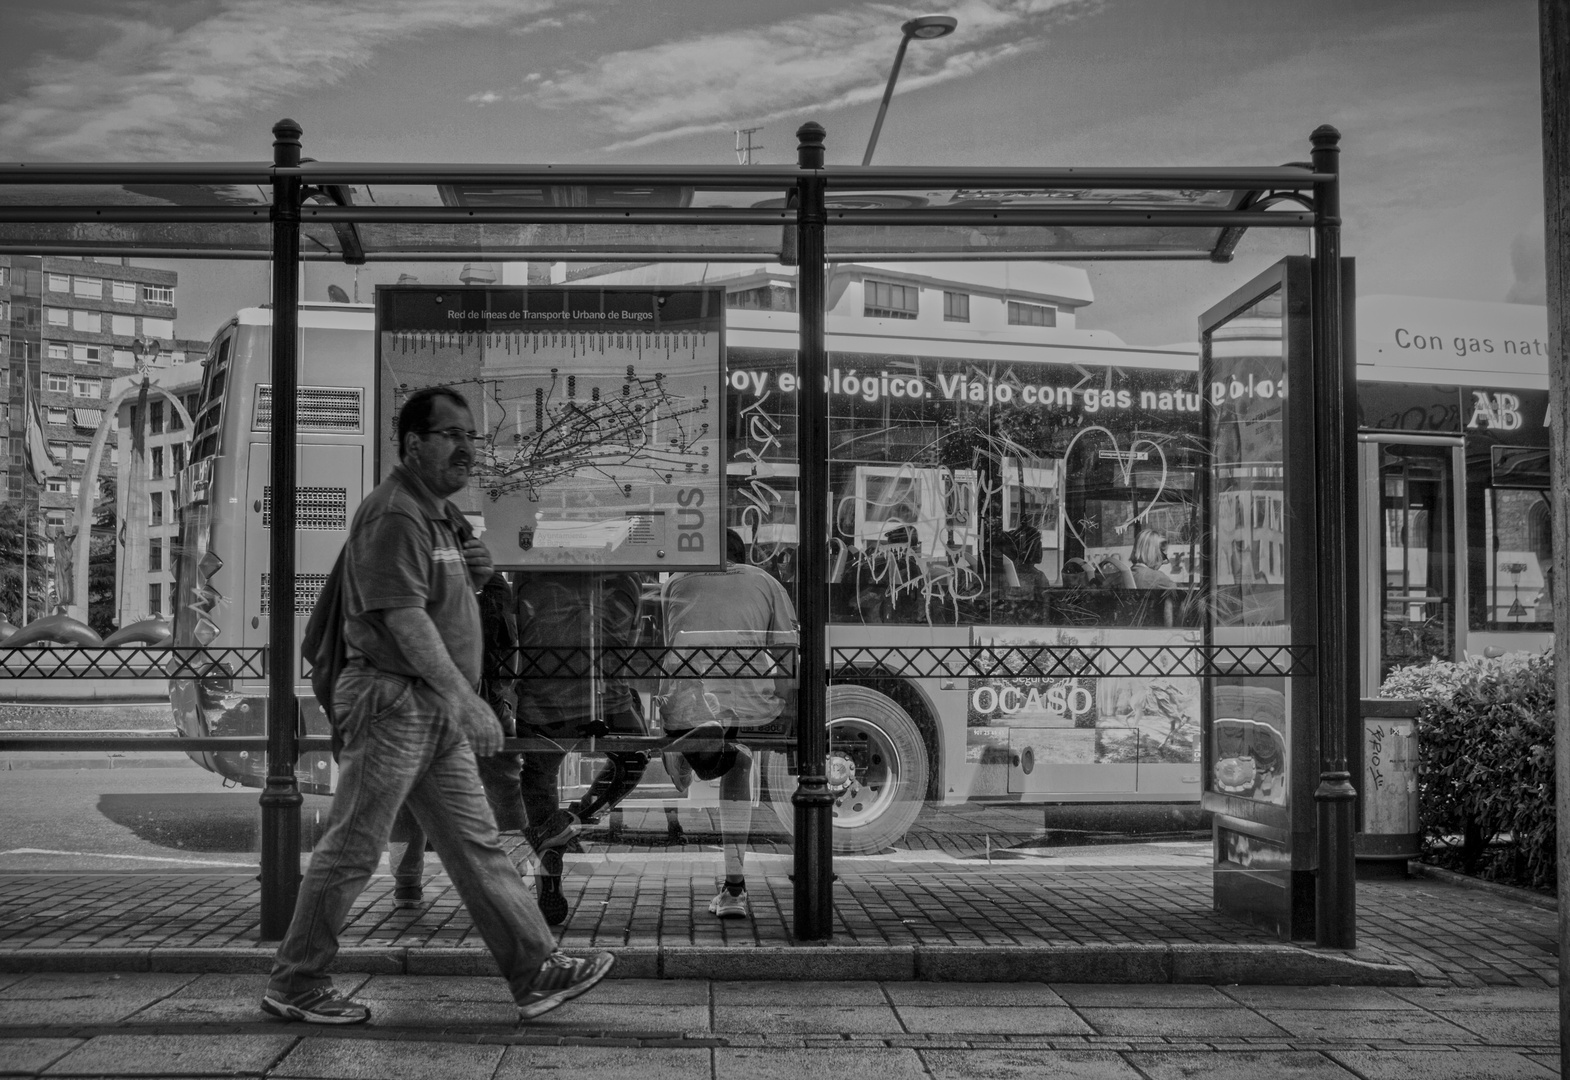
(1335, 899)
(812, 799)
(281, 798)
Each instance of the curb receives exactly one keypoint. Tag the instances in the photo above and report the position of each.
(1278, 965)
(1494, 888)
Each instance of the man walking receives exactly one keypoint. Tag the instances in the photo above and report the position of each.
(412, 724)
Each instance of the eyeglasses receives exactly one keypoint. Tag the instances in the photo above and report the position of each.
(453, 434)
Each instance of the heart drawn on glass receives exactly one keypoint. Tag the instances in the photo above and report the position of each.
(1125, 463)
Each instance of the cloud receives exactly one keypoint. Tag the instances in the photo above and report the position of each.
(754, 75)
(159, 90)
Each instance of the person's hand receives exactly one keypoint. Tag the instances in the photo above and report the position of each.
(480, 724)
(478, 559)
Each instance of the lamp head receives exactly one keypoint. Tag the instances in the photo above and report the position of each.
(928, 27)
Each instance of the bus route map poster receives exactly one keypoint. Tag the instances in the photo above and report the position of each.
(599, 413)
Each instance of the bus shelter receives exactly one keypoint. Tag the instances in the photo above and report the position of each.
(1273, 640)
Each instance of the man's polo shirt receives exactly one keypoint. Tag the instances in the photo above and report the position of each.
(404, 551)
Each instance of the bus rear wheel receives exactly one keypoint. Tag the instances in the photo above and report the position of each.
(877, 770)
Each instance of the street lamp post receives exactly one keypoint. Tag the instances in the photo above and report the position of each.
(925, 27)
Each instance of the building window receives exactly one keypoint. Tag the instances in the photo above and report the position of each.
(57, 316)
(90, 287)
(114, 455)
(158, 463)
(123, 292)
(58, 450)
(56, 518)
(1032, 315)
(76, 487)
(178, 451)
(156, 417)
(56, 383)
(175, 423)
(886, 300)
(159, 328)
(956, 307)
(155, 554)
(57, 282)
(57, 350)
(156, 501)
(123, 358)
(763, 298)
(155, 599)
(79, 451)
(55, 485)
(122, 325)
(158, 294)
(57, 416)
(86, 354)
(88, 387)
(89, 322)
(16, 451)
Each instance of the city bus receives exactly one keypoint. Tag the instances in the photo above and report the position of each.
(988, 490)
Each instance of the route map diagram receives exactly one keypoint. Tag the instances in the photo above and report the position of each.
(599, 447)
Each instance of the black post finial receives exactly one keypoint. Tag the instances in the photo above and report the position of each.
(809, 145)
(286, 144)
(1326, 137)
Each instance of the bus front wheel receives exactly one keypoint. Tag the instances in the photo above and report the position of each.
(876, 767)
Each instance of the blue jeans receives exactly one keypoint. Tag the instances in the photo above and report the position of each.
(401, 746)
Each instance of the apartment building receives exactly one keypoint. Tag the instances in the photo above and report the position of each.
(74, 324)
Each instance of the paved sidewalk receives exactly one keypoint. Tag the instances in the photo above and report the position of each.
(160, 1025)
(1146, 919)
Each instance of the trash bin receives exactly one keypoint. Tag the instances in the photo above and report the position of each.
(1390, 831)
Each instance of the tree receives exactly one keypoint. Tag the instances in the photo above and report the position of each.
(13, 530)
(102, 551)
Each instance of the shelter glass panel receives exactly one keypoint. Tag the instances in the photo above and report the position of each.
(1250, 572)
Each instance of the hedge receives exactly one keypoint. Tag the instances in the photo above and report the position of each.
(1486, 763)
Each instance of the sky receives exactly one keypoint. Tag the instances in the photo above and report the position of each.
(1437, 102)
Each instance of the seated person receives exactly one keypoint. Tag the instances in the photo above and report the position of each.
(739, 606)
(1150, 552)
(1079, 573)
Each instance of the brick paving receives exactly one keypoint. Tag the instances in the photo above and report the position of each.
(1448, 935)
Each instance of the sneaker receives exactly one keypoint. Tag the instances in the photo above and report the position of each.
(556, 831)
(728, 905)
(561, 979)
(408, 896)
(322, 1005)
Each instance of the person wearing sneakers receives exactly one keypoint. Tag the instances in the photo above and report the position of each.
(740, 607)
(498, 772)
(412, 723)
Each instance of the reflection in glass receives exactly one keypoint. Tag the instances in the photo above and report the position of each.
(1247, 499)
(1417, 518)
(1249, 574)
(1248, 750)
(1518, 532)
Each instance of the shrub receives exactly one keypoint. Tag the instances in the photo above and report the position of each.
(1486, 763)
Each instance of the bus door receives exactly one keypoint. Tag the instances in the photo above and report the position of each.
(1411, 568)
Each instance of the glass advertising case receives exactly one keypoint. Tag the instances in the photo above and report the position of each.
(1259, 594)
